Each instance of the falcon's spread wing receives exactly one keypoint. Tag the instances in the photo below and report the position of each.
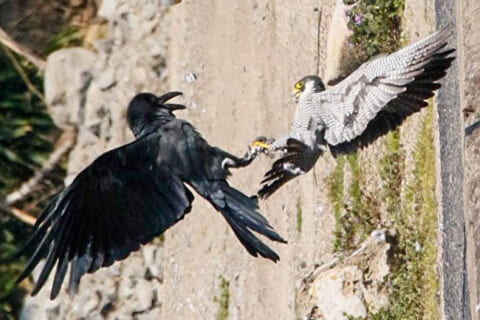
(297, 159)
(123, 199)
(380, 94)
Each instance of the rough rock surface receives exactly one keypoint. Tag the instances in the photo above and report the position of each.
(347, 286)
(469, 77)
(66, 102)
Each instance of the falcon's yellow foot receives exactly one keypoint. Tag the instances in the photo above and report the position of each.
(260, 144)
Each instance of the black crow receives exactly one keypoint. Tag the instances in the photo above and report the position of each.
(131, 194)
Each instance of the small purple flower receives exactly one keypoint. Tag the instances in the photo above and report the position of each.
(358, 19)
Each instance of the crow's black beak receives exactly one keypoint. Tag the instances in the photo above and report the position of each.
(170, 106)
(174, 106)
(168, 96)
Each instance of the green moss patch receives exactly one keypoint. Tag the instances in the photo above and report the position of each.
(414, 279)
(299, 215)
(408, 204)
(223, 300)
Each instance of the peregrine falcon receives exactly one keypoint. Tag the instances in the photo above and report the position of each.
(131, 194)
(371, 101)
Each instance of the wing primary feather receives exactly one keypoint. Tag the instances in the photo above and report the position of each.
(47, 236)
(59, 276)
(79, 267)
(35, 258)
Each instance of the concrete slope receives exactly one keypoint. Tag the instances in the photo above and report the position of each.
(246, 55)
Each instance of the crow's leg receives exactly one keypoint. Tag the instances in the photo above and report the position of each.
(257, 147)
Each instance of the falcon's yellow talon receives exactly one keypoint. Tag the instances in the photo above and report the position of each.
(261, 144)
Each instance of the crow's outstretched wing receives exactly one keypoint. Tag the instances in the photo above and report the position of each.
(297, 159)
(123, 199)
(380, 94)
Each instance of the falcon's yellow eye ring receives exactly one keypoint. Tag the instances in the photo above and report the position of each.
(299, 85)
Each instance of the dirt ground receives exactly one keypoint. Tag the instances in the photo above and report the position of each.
(247, 56)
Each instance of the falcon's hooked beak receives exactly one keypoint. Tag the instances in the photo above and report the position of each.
(296, 94)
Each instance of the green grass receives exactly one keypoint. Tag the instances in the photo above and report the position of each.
(376, 28)
(392, 171)
(376, 25)
(413, 215)
(26, 138)
(68, 36)
(356, 212)
(414, 279)
(11, 295)
(363, 209)
(224, 299)
(299, 215)
(335, 195)
(409, 204)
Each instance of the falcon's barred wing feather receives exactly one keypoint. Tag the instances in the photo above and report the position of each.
(382, 92)
(405, 104)
(121, 200)
(297, 159)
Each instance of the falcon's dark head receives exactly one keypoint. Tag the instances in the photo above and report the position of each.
(307, 85)
(146, 111)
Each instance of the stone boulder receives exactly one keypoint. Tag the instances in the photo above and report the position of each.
(348, 286)
(68, 74)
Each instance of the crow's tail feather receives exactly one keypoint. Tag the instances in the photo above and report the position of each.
(241, 214)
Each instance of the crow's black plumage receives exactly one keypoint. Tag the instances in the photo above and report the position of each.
(131, 194)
